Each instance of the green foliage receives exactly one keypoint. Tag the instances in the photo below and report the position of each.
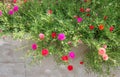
(33, 18)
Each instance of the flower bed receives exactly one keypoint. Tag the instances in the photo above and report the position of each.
(56, 26)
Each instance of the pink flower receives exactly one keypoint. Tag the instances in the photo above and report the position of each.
(0, 13)
(49, 12)
(15, 8)
(41, 36)
(69, 42)
(11, 12)
(87, 10)
(105, 57)
(34, 46)
(79, 19)
(101, 51)
(105, 46)
(8, 6)
(72, 55)
(61, 36)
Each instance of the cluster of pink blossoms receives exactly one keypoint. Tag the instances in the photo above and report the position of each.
(102, 52)
(12, 11)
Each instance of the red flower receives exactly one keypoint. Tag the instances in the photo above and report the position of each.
(70, 67)
(45, 52)
(54, 35)
(105, 17)
(88, 15)
(65, 58)
(91, 27)
(49, 11)
(111, 28)
(81, 62)
(82, 10)
(14, 1)
(85, 0)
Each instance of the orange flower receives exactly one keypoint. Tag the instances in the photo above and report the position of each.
(101, 27)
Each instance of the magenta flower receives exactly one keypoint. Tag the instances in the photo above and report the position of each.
(72, 55)
(15, 8)
(0, 13)
(61, 36)
(34, 46)
(79, 19)
(11, 12)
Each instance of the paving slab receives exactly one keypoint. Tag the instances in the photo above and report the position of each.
(41, 70)
(12, 50)
(12, 70)
(12, 63)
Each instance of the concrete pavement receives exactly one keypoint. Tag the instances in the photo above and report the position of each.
(12, 63)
